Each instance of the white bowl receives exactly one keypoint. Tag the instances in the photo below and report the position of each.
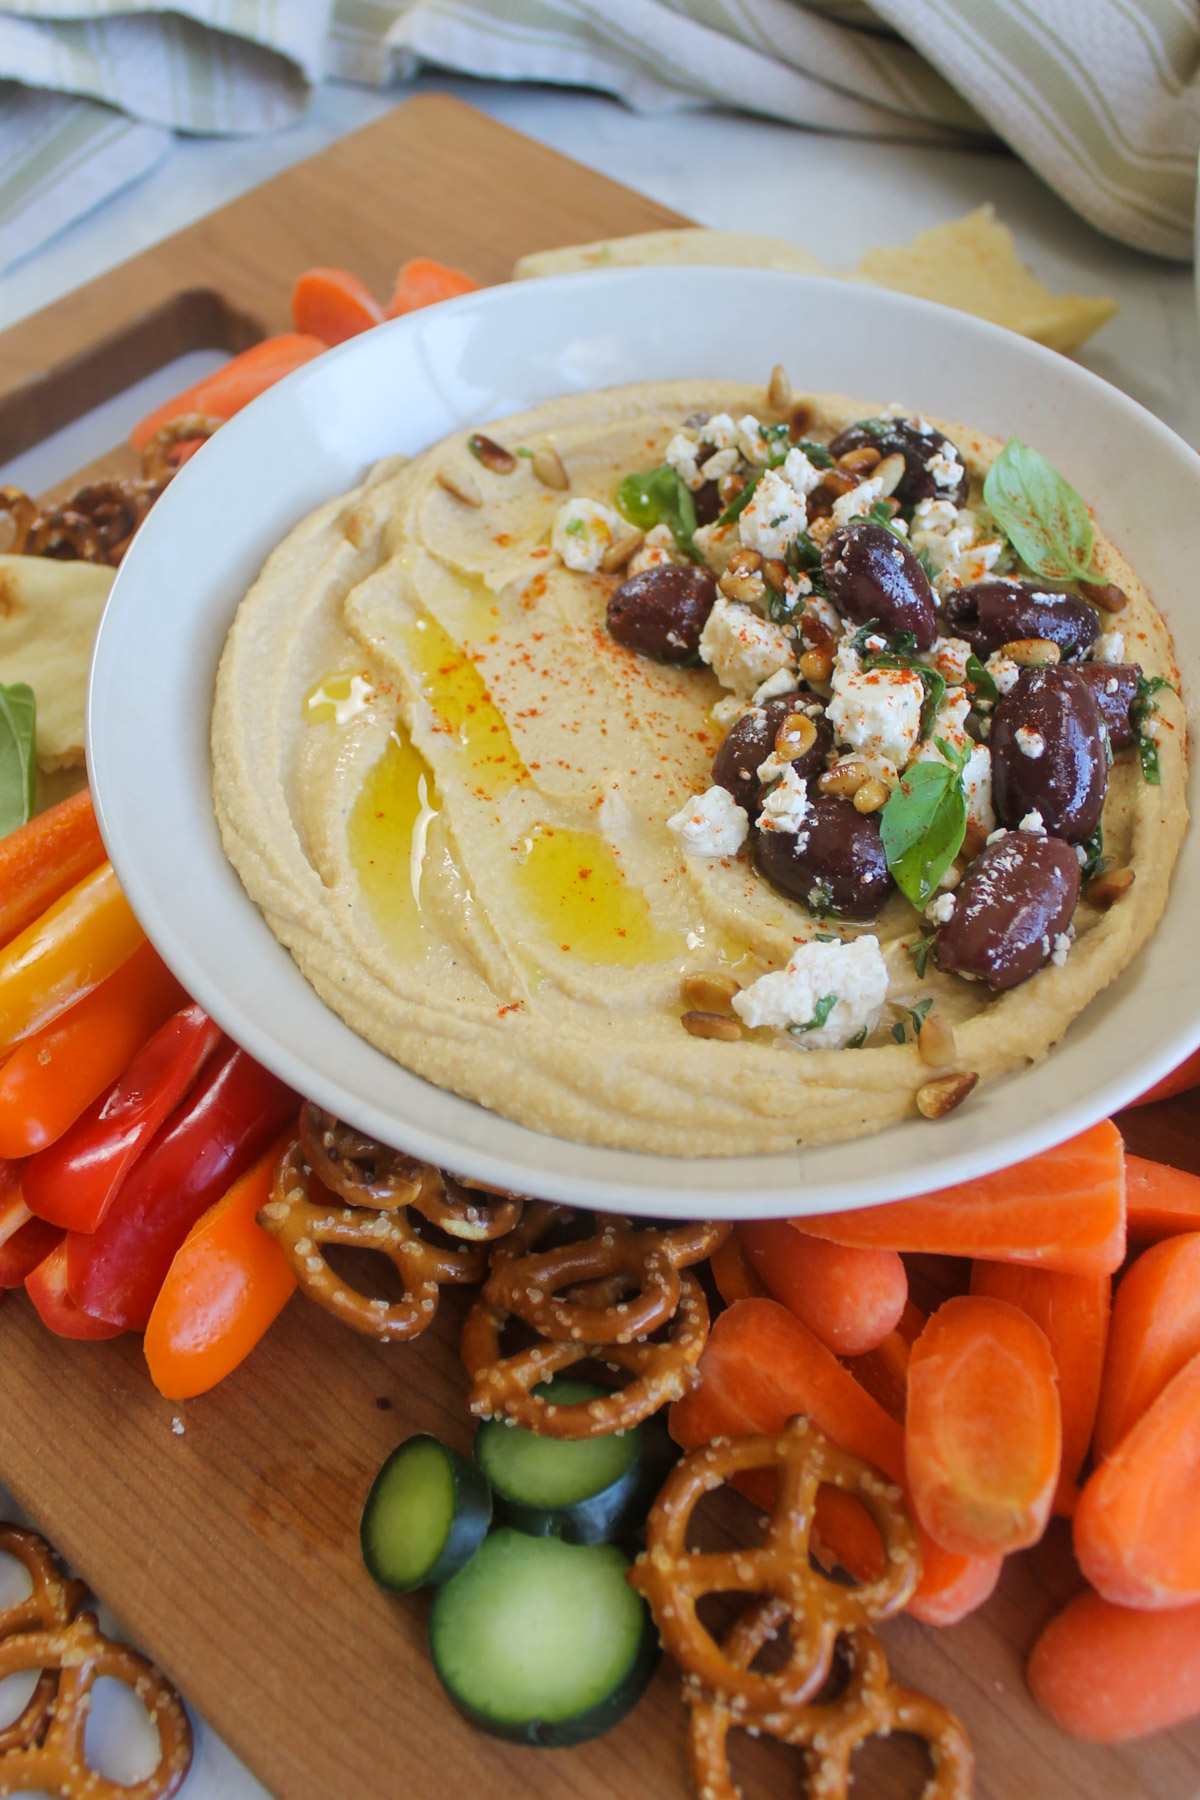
(404, 385)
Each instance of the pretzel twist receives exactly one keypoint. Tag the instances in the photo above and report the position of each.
(869, 1705)
(77, 1656)
(51, 1602)
(23, 512)
(158, 464)
(673, 1580)
(301, 1225)
(502, 1386)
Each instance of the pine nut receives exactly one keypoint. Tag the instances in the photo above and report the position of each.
(816, 665)
(492, 455)
(890, 472)
(548, 467)
(775, 574)
(859, 461)
(800, 420)
(1105, 594)
(974, 840)
(795, 737)
(779, 391)
(744, 562)
(710, 991)
(1109, 886)
(872, 795)
(839, 481)
(711, 1025)
(937, 1098)
(748, 590)
(461, 483)
(845, 780)
(935, 1041)
(729, 487)
(620, 551)
(1031, 653)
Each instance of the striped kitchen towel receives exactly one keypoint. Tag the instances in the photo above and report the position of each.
(1101, 97)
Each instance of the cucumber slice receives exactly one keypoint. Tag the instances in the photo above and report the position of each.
(584, 1490)
(426, 1515)
(542, 1642)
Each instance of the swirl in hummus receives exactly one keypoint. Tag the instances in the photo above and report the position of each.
(490, 833)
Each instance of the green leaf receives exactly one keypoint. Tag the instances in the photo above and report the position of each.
(817, 454)
(858, 1040)
(914, 1018)
(660, 497)
(979, 680)
(1093, 848)
(919, 950)
(18, 769)
(1141, 711)
(1040, 512)
(740, 502)
(923, 824)
(821, 1012)
(881, 514)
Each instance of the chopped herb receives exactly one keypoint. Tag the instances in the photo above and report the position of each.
(782, 608)
(575, 527)
(881, 514)
(740, 502)
(18, 768)
(817, 454)
(1142, 711)
(859, 640)
(777, 521)
(900, 654)
(914, 1017)
(926, 562)
(523, 450)
(1094, 850)
(660, 497)
(821, 1012)
(923, 823)
(980, 682)
(827, 937)
(803, 558)
(1040, 512)
(919, 950)
(820, 900)
(858, 1040)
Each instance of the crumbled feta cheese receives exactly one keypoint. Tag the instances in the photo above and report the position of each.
(977, 789)
(721, 432)
(721, 462)
(1062, 946)
(774, 517)
(716, 544)
(799, 473)
(969, 566)
(680, 453)
(876, 710)
(949, 537)
(816, 606)
(932, 518)
(657, 548)
(854, 972)
(741, 649)
(949, 657)
(786, 806)
(994, 837)
(751, 442)
(1003, 671)
(945, 468)
(857, 502)
(1030, 743)
(781, 682)
(1109, 647)
(728, 710)
(177, 1426)
(1034, 822)
(712, 824)
(584, 532)
(940, 910)
(949, 722)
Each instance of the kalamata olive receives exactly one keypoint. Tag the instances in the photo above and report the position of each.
(1049, 754)
(918, 444)
(872, 574)
(998, 612)
(834, 864)
(752, 739)
(707, 502)
(662, 611)
(1010, 909)
(1114, 688)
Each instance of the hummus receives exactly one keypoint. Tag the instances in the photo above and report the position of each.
(448, 789)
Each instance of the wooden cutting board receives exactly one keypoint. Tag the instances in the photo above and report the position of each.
(230, 1548)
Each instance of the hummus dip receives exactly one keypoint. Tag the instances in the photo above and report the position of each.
(464, 807)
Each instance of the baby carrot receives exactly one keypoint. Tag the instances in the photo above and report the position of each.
(423, 282)
(41, 860)
(1155, 1331)
(1110, 1673)
(234, 384)
(1064, 1209)
(333, 305)
(1161, 1201)
(884, 1370)
(1073, 1311)
(850, 1299)
(982, 1434)
(1186, 1076)
(1137, 1525)
(75, 945)
(733, 1273)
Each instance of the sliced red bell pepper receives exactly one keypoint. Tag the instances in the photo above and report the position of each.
(13, 1211)
(73, 1181)
(230, 1117)
(25, 1249)
(47, 1288)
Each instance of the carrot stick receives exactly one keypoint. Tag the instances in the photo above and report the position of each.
(733, 1273)
(1110, 1673)
(1073, 1311)
(982, 1434)
(850, 1299)
(1161, 1201)
(884, 1370)
(234, 384)
(423, 282)
(41, 860)
(1064, 1209)
(759, 1368)
(1186, 1076)
(333, 305)
(1137, 1525)
(1155, 1331)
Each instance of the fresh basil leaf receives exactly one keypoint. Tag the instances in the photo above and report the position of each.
(1040, 512)
(821, 1012)
(740, 502)
(18, 769)
(982, 683)
(660, 497)
(923, 824)
(1141, 711)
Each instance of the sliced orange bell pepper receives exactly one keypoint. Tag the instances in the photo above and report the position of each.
(75, 945)
(52, 1077)
(228, 1283)
(41, 860)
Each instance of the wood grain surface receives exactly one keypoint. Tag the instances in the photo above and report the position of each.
(231, 1550)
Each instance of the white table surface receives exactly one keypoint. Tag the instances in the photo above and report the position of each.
(835, 196)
